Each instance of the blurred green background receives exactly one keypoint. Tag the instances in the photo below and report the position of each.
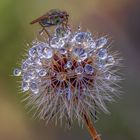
(119, 19)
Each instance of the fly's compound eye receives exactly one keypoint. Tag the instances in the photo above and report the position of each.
(57, 20)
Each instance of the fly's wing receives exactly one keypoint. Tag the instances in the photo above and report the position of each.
(54, 12)
(40, 18)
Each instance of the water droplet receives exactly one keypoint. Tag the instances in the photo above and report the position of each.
(110, 60)
(54, 42)
(101, 42)
(80, 53)
(80, 36)
(79, 70)
(68, 64)
(38, 61)
(42, 72)
(91, 47)
(57, 42)
(107, 76)
(24, 66)
(101, 63)
(40, 47)
(102, 54)
(26, 77)
(48, 53)
(92, 44)
(34, 87)
(32, 52)
(63, 51)
(25, 86)
(89, 69)
(17, 72)
(60, 31)
(114, 78)
(30, 75)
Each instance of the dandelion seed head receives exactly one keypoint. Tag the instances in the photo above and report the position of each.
(71, 74)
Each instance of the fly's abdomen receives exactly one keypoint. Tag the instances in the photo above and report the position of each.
(46, 22)
(54, 20)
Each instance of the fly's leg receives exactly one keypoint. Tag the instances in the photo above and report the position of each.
(46, 31)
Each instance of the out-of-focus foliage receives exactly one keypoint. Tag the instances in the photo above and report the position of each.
(116, 18)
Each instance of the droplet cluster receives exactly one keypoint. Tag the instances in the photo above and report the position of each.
(69, 75)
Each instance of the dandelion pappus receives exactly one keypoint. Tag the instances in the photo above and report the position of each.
(53, 17)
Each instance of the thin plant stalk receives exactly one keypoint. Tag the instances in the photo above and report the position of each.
(91, 128)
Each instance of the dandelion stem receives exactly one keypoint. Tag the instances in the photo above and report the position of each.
(91, 128)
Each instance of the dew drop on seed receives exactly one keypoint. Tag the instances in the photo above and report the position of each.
(110, 60)
(17, 72)
(80, 53)
(79, 70)
(40, 47)
(101, 42)
(57, 42)
(34, 87)
(25, 86)
(60, 32)
(54, 42)
(68, 64)
(92, 44)
(101, 63)
(32, 52)
(107, 76)
(32, 74)
(63, 51)
(82, 37)
(26, 77)
(48, 53)
(27, 63)
(89, 69)
(102, 54)
(37, 61)
(42, 72)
